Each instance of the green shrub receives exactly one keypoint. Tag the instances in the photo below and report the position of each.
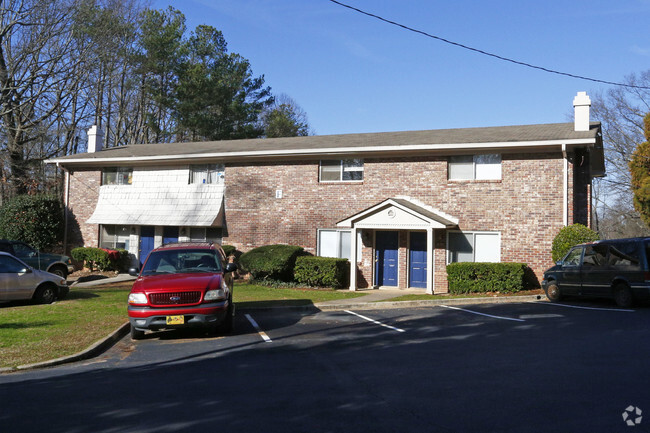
(275, 262)
(101, 259)
(570, 236)
(468, 277)
(35, 219)
(322, 271)
(229, 250)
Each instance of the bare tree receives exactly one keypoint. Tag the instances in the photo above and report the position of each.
(36, 74)
(621, 111)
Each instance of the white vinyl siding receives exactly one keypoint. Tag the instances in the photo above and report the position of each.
(473, 247)
(476, 167)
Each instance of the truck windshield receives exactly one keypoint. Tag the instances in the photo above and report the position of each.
(182, 261)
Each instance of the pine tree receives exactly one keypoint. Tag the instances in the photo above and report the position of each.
(640, 171)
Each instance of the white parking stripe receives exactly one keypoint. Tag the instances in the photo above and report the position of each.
(483, 314)
(584, 308)
(375, 322)
(258, 329)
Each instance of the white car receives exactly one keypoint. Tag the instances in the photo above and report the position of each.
(19, 281)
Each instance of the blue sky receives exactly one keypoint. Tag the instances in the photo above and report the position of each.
(352, 73)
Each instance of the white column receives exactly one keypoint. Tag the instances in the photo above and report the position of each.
(353, 259)
(430, 261)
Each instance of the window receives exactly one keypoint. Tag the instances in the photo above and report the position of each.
(476, 167)
(624, 254)
(334, 243)
(595, 255)
(473, 247)
(117, 176)
(573, 257)
(206, 234)
(341, 170)
(113, 237)
(207, 173)
(9, 265)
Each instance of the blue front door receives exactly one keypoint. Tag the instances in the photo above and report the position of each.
(147, 234)
(386, 258)
(418, 260)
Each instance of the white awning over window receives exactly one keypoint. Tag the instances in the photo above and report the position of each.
(182, 205)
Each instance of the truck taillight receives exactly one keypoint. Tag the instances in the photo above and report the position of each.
(647, 277)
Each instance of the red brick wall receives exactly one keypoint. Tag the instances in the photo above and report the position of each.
(82, 200)
(525, 206)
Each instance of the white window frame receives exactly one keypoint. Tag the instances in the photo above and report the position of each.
(339, 244)
(117, 237)
(213, 174)
(474, 235)
(480, 170)
(202, 231)
(343, 168)
(123, 175)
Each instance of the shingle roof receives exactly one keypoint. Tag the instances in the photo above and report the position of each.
(323, 144)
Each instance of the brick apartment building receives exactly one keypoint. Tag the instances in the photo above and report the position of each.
(400, 205)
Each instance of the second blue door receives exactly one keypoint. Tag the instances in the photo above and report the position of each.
(418, 260)
(386, 258)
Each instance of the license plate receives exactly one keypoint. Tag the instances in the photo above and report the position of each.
(175, 320)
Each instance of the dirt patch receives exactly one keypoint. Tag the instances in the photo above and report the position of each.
(87, 275)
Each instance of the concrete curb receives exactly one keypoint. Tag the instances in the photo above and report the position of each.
(93, 350)
(104, 344)
(382, 305)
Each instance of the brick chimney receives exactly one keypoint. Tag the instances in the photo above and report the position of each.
(95, 139)
(581, 104)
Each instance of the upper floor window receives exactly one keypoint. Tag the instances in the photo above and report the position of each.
(341, 170)
(207, 173)
(117, 176)
(475, 167)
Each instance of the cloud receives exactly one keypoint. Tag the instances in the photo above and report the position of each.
(640, 50)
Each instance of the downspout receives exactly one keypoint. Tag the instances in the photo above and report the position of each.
(565, 187)
(66, 200)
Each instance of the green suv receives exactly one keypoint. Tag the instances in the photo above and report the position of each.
(53, 263)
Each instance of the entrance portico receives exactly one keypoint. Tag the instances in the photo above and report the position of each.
(379, 229)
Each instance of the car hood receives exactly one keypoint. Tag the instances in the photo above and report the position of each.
(166, 282)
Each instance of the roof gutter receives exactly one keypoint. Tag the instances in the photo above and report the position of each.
(590, 142)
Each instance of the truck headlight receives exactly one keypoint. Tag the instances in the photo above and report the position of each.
(137, 298)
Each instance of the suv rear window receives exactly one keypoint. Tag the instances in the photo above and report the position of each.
(175, 261)
(624, 254)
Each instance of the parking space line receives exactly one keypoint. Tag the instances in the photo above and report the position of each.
(374, 321)
(258, 329)
(584, 308)
(483, 314)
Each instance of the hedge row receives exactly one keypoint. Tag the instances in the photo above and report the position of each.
(271, 262)
(102, 259)
(322, 271)
(486, 277)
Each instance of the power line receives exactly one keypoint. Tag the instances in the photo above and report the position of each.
(476, 50)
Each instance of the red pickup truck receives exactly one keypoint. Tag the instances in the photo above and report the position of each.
(182, 284)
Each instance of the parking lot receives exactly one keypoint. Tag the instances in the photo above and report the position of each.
(517, 367)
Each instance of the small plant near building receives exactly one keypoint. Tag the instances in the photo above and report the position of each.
(102, 259)
(571, 236)
(271, 262)
(470, 277)
(322, 271)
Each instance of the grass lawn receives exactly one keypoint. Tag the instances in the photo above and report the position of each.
(33, 333)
